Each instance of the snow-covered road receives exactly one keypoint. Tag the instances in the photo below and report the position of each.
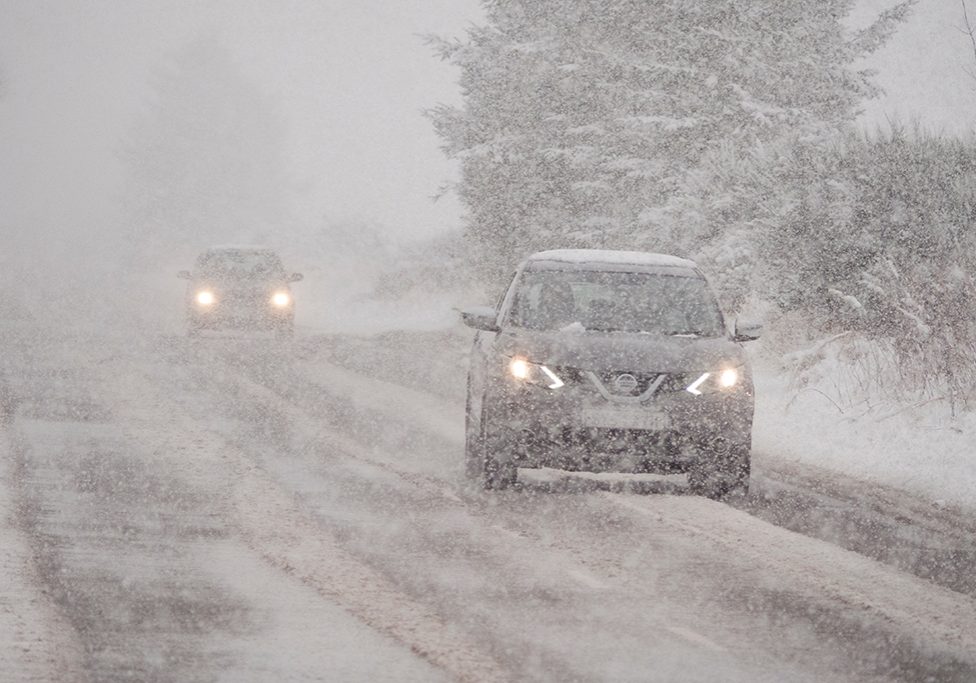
(237, 509)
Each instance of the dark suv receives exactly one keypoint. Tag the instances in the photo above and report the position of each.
(240, 287)
(609, 361)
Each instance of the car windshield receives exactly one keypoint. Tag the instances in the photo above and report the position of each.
(240, 264)
(616, 302)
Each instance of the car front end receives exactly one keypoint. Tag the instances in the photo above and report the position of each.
(609, 361)
(219, 306)
(628, 417)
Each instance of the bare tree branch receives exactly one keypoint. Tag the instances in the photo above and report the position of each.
(969, 30)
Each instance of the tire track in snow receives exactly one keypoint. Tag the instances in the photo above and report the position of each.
(37, 644)
(939, 620)
(900, 529)
(268, 391)
(275, 526)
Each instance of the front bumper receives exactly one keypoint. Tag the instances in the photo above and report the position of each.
(221, 317)
(534, 427)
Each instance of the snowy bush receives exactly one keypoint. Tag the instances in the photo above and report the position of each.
(582, 118)
(871, 237)
(883, 245)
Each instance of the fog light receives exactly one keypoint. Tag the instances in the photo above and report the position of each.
(206, 298)
(281, 299)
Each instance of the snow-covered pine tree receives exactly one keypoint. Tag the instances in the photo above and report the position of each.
(582, 118)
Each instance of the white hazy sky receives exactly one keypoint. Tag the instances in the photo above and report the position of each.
(924, 68)
(350, 77)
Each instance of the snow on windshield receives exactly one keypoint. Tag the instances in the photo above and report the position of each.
(616, 302)
(239, 263)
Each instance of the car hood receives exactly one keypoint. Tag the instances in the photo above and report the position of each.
(621, 351)
(241, 285)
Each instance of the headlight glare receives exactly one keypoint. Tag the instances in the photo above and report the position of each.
(519, 368)
(533, 373)
(281, 299)
(206, 298)
(711, 382)
(728, 378)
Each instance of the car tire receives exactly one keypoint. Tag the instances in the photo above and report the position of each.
(481, 464)
(474, 456)
(722, 473)
(499, 476)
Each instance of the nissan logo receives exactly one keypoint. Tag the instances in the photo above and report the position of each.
(625, 383)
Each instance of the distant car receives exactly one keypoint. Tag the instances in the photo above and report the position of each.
(609, 361)
(240, 287)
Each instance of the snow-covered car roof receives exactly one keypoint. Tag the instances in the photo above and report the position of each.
(606, 257)
(239, 247)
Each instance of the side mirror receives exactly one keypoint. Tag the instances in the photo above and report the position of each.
(295, 277)
(481, 318)
(747, 330)
(184, 275)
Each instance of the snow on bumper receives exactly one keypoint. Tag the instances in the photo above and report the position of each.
(573, 430)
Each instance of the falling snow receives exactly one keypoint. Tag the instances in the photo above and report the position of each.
(559, 340)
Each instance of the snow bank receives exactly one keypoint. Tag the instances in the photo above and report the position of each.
(916, 447)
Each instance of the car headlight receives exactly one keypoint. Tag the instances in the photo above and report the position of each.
(533, 373)
(206, 298)
(281, 299)
(725, 379)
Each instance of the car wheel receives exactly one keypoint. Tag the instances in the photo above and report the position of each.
(482, 464)
(474, 457)
(723, 472)
(499, 475)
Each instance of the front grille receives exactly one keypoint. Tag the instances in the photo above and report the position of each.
(676, 382)
(670, 382)
(624, 383)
